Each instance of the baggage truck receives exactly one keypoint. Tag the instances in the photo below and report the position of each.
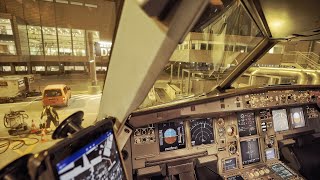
(16, 87)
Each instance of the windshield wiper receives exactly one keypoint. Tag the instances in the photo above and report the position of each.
(281, 84)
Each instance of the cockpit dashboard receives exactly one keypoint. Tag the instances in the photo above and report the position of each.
(242, 134)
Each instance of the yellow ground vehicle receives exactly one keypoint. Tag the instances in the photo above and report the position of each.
(56, 95)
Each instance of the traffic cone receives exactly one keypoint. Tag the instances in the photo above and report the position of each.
(43, 134)
(33, 127)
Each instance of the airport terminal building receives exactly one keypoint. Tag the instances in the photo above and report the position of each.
(49, 37)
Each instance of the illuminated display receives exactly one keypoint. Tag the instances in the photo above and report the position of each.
(230, 164)
(281, 171)
(201, 132)
(171, 136)
(297, 117)
(270, 154)
(250, 151)
(280, 120)
(99, 159)
(247, 124)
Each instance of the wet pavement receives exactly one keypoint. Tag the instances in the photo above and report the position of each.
(13, 147)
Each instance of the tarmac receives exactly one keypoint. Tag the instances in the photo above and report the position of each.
(13, 147)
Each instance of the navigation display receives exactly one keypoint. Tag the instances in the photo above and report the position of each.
(270, 154)
(297, 117)
(280, 120)
(230, 164)
(171, 136)
(247, 124)
(201, 131)
(99, 159)
(250, 151)
(281, 171)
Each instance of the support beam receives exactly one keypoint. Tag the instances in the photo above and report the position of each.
(132, 73)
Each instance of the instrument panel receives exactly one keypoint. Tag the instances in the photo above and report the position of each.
(201, 131)
(171, 136)
(244, 135)
(247, 124)
(250, 152)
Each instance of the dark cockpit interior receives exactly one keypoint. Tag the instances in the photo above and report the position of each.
(251, 114)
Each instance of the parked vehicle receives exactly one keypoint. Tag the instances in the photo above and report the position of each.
(16, 87)
(56, 95)
(11, 89)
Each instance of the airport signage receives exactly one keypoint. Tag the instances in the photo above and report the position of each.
(102, 49)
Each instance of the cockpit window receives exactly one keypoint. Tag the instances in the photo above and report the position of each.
(50, 43)
(206, 56)
(285, 63)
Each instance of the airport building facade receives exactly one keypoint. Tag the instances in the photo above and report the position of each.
(51, 36)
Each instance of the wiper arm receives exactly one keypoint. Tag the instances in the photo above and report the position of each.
(282, 84)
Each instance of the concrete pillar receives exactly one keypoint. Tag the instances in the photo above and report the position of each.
(179, 67)
(171, 72)
(94, 88)
(92, 62)
(15, 31)
(29, 66)
(181, 82)
(188, 81)
(13, 69)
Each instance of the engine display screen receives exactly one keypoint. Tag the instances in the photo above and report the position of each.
(99, 159)
(247, 124)
(280, 120)
(230, 164)
(270, 154)
(171, 136)
(201, 131)
(297, 117)
(250, 151)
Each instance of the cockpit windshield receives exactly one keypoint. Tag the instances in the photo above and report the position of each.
(207, 55)
(285, 63)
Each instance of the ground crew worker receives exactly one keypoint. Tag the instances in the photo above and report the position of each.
(52, 115)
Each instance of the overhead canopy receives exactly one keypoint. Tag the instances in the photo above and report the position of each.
(287, 19)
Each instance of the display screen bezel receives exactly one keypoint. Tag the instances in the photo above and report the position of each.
(255, 124)
(293, 124)
(273, 119)
(65, 148)
(182, 146)
(213, 132)
(274, 152)
(224, 164)
(259, 151)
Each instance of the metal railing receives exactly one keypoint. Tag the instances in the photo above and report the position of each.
(308, 60)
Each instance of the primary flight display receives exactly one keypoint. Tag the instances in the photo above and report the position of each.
(171, 136)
